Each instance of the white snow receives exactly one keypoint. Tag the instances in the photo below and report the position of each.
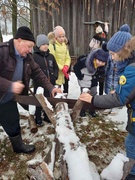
(76, 158)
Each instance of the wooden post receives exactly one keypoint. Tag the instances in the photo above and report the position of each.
(50, 114)
(76, 110)
(32, 124)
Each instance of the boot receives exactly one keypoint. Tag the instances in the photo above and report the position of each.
(18, 145)
(46, 119)
(39, 122)
(82, 113)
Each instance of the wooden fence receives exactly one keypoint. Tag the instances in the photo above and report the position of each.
(71, 15)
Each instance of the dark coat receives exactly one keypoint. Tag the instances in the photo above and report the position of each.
(48, 64)
(31, 70)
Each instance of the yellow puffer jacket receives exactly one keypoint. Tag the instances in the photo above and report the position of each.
(61, 54)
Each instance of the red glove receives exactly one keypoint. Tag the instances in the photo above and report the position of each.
(65, 69)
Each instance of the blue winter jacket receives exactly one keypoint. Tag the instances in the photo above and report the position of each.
(124, 95)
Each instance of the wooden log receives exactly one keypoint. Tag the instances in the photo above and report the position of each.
(39, 171)
(127, 167)
(67, 146)
(65, 133)
(32, 123)
(46, 171)
(50, 113)
(76, 110)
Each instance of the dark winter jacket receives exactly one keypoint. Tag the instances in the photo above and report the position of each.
(30, 70)
(125, 95)
(85, 79)
(47, 63)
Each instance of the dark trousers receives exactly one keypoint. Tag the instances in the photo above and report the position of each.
(101, 88)
(65, 86)
(9, 118)
(38, 111)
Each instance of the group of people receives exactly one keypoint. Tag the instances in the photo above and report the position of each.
(51, 53)
(106, 75)
(22, 61)
(121, 48)
(46, 67)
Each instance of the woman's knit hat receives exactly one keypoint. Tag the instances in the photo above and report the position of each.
(42, 39)
(58, 31)
(25, 33)
(119, 39)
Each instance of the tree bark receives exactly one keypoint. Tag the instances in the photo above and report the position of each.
(32, 124)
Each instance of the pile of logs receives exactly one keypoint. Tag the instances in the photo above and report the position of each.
(61, 149)
(63, 120)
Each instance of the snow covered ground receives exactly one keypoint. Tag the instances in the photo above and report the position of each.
(116, 166)
(111, 172)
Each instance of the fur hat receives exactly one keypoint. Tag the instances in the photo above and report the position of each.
(58, 30)
(51, 35)
(42, 39)
(119, 39)
(25, 33)
(99, 30)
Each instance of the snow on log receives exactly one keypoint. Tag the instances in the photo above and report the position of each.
(75, 153)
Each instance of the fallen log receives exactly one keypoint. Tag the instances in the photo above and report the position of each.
(49, 112)
(69, 145)
(76, 110)
(32, 123)
(127, 167)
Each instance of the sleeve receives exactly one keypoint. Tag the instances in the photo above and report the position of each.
(68, 59)
(125, 91)
(106, 29)
(106, 101)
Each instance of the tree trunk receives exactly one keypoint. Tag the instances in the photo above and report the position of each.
(32, 124)
(14, 17)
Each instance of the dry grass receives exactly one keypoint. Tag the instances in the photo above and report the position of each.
(102, 139)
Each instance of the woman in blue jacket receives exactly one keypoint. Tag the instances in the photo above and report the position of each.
(121, 46)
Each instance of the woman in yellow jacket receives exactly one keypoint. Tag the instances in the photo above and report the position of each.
(61, 54)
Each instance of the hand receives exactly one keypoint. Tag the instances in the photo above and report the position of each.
(86, 97)
(65, 69)
(55, 91)
(17, 87)
(112, 91)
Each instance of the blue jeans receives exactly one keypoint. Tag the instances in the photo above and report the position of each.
(130, 149)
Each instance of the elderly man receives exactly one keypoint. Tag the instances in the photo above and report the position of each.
(16, 68)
